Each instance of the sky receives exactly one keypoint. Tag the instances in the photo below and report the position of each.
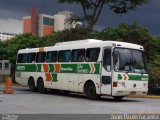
(12, 11)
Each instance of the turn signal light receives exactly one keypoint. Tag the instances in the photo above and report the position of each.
(115, 84)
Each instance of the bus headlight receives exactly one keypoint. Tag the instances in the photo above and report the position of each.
(121, 84)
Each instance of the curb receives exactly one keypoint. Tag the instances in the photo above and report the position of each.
(147, 96)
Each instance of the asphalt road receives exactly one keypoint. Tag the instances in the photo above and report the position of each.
(25, 102)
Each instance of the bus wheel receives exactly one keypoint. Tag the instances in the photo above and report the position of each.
(40, 86)
(91, 91)
(118, 98)
(31, 84)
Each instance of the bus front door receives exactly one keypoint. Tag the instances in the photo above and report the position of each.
(106, 75)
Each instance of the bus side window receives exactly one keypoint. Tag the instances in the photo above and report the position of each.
(41, 57)
(92, 54)
(22, 58)
(51, 56)
(107, 59)
(31, 57)
(78, 55)
(64, 56)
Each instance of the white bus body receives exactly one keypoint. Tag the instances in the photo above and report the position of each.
(89, 66)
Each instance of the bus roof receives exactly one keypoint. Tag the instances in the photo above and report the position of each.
(85, 43)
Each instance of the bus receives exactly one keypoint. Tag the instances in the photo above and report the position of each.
(90, 66)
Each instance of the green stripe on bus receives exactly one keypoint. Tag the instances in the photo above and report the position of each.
(120, 77)
(134, 77)
(65, 68)
(54, 76)
(51, 67)
(39, 67)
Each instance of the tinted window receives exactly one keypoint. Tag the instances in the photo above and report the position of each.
(41, 57)
(51, 56)
(107, 59)
(22, 58)
(92, 54)
(78, 55)
(31, 57)
(64, 56)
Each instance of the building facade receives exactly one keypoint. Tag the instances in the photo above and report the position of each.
(6, 36)
(42, 24)
(38, 24)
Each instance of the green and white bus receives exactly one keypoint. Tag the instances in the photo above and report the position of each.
(90, 66)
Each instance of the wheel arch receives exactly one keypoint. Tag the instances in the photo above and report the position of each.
(39, 78)
(87, 82)
(31, 78)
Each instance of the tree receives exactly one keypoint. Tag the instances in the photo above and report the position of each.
(18, 42)
(92, 8)
(129, 33)
(154, 64)
(74, 34)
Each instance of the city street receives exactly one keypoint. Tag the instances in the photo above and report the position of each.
(24, 101)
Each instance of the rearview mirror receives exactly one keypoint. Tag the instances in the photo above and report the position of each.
(115, 56)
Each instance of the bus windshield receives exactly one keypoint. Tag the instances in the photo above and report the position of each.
(129, 60)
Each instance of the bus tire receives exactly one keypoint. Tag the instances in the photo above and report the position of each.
(40, 86)
(118, 98)
(91, 91)
(31, 84)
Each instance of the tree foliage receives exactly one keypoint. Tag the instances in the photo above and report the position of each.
(11, 47)
(93, 8)
(129, 33)
(154, 64)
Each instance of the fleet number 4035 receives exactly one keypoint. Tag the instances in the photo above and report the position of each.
(20, 67)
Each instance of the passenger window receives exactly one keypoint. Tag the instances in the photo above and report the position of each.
(78, 55)
(22, 58)
(64, 56)
(92, 54)
(41, 57)
(51, 56)
(31, 57)
(107, 59)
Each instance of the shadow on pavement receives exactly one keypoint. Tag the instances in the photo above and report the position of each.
(21, 90)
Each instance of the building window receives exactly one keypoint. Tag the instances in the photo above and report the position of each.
(48, 21)
(6, 65)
